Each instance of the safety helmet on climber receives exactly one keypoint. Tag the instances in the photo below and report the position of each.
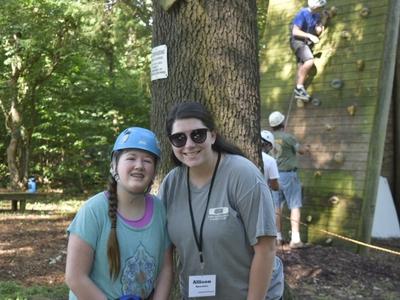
(268, 136)
(316, 3)
(276, 118)
(138, 138)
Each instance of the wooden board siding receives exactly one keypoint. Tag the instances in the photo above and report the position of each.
(330, 130)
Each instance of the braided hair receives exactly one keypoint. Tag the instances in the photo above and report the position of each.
(113, 254)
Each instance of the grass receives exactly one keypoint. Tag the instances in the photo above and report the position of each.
(10, 290)
(61, 206)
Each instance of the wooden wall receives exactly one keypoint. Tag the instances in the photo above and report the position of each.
(341, 129)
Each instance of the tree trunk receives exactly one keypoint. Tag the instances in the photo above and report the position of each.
(13, 153)
(212, 58)
(14, 123)
(12, 159)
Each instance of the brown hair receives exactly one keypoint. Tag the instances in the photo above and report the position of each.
(196, 110)
(113, 255)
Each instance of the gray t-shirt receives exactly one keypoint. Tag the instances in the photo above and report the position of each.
(240, 210)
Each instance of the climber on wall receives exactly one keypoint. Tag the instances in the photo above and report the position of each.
(306, 27)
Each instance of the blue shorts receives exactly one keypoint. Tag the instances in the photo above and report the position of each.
(289, 190)
(276, 286)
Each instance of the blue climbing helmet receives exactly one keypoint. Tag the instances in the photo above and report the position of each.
(138, 138)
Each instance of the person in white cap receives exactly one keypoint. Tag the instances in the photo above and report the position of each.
(306, 27)
(286, 148)
(271, 173)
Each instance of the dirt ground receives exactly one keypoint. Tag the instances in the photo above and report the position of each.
(33, 250)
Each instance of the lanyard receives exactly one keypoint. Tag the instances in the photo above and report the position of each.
(199, 240)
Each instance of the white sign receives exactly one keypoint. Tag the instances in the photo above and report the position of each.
(159, 63)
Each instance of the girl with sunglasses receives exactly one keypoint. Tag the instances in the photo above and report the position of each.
(220, 213)
(118, 246)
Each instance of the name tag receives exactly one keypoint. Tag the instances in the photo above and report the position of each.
(202, 286)
(218, 213)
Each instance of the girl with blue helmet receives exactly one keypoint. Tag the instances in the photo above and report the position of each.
(118, 246)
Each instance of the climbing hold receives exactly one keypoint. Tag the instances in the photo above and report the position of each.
(326, 16)
(337, 83)
(309, 218)
(338, 157)
(334, 199)
(333, 11)
(364, 12)
(329, 127)
(351, 110)
(328, 241)
(345, 35)
(317, 174)
(360, 64)
(315, 102)
(300, 103)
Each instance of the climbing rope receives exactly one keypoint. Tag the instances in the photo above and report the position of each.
(289, 109)
(347, 238)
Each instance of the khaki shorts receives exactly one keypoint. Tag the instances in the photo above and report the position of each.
(301, 49)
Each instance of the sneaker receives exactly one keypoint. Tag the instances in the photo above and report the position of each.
(298, 245)
(301, 93)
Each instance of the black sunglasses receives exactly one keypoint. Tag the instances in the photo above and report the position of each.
(179, 139)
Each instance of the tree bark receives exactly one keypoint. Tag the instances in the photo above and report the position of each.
(212, 58)
(13, 153)
(13, 123)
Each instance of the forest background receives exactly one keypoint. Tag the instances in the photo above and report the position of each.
(73, 75)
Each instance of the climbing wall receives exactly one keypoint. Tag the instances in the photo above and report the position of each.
(340, 125)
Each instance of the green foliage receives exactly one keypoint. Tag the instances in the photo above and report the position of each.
(262, 13)
(10, 290)
(92, 64)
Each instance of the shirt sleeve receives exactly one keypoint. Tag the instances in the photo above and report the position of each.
(299, 19)
(274, 170)
(86, 224)
(163, 191)
(253, 202)
(159, 204)
(292, 141)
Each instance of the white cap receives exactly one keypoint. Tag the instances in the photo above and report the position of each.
(276, 118)
(316, 3)
(268, 136)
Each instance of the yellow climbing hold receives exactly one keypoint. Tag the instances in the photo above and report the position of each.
(364, 12)
(360, 64)
(351, 110)
(338, 157)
